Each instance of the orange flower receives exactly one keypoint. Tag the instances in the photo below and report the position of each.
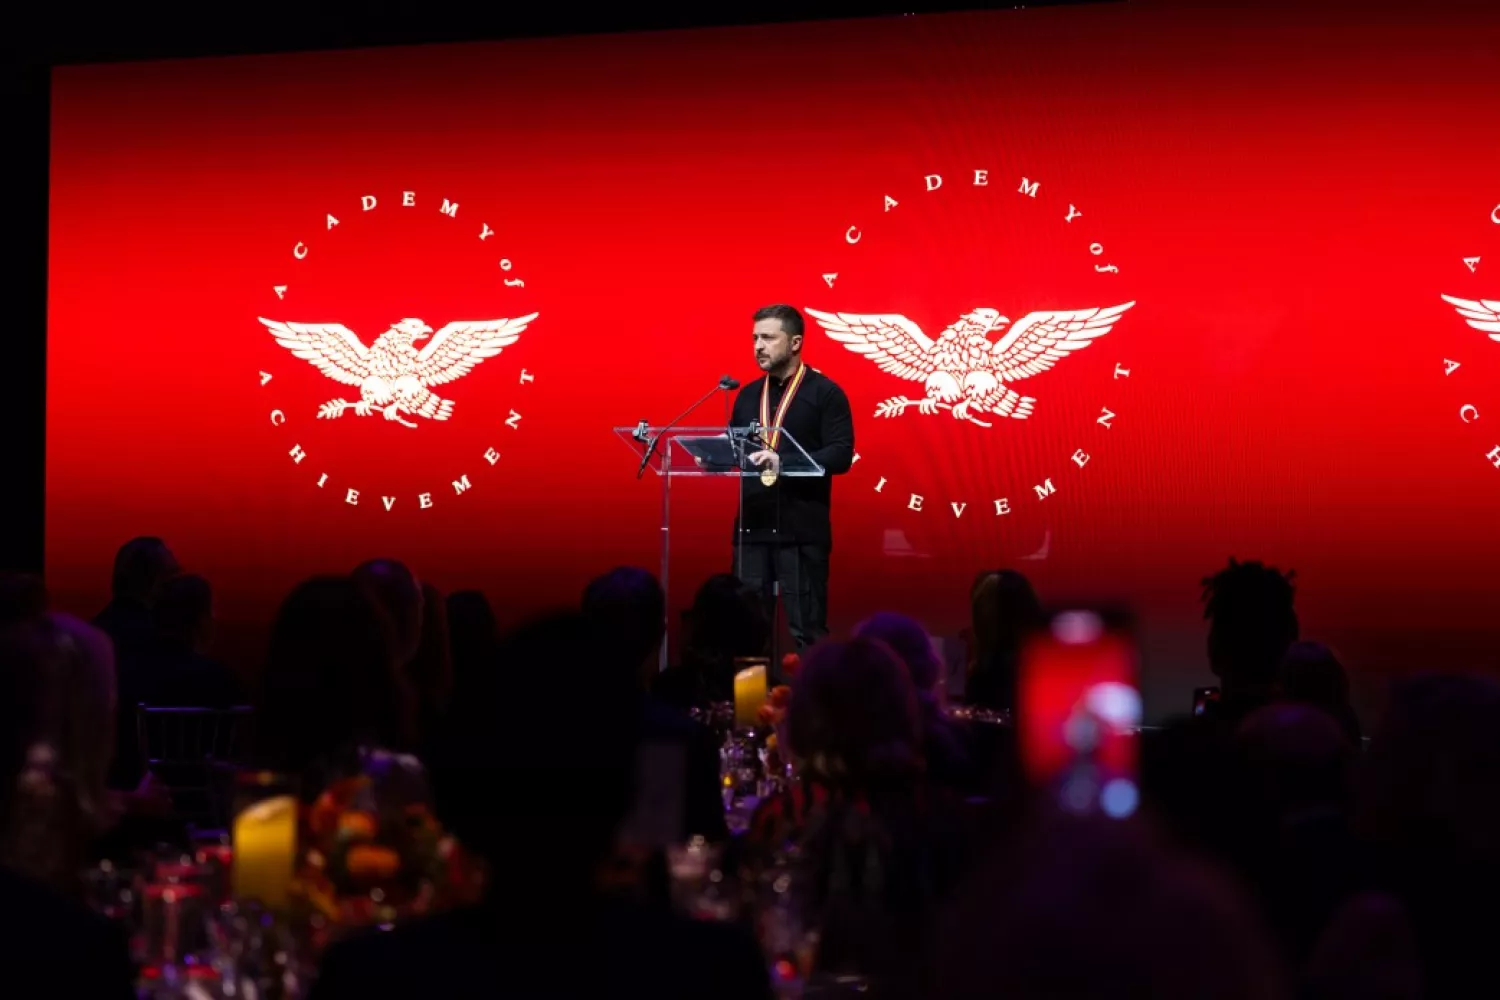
(789, 664)
(370, 861)
(420, 818)
(323, 818)
(343, 791)
(357, 825)
(780, 696)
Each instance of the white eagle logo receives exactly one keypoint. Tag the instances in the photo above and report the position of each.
(963, 370)
(394, 378)
(1482, 314)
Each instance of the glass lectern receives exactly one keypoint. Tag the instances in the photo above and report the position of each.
(708, 451)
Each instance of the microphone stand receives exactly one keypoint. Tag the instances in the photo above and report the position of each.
(725, 385)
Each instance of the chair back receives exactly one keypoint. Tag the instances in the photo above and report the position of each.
(190, 750)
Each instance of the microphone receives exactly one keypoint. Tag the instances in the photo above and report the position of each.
(725, 384)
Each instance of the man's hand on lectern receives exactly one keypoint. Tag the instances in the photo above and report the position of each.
(767, 458)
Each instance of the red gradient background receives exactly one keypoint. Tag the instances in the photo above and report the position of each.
(1285, 193)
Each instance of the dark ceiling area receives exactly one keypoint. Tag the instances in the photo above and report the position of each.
(64, 33)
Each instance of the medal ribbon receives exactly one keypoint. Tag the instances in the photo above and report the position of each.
(773, 436)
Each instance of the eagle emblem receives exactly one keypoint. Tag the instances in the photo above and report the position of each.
(1482, 314)
(964, 371)
(394, 378)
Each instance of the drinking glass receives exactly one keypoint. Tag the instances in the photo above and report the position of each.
(789, 939)
(691, 868)
(215, 853)
(255, 954)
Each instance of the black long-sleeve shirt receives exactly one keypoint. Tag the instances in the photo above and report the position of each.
(796, 508)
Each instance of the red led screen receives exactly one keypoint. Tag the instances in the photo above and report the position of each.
(1267, 208)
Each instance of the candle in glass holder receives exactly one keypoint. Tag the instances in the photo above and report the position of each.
(749, 692)
(265, 851)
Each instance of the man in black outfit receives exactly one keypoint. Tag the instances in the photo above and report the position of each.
(785, 531)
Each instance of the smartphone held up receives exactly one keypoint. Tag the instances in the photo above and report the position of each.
(1078, 711)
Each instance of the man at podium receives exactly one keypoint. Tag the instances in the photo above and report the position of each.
(785, 530)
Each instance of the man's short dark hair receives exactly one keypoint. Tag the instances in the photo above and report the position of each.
(791, 319)
(1252, 615)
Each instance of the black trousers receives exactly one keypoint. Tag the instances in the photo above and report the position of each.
(800, 574)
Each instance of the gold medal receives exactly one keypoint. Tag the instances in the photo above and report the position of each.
(773, 430)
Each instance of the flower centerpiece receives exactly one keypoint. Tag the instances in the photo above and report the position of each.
(373, 851)
(772, 716)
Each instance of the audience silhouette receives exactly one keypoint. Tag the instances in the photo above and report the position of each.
(1252, 623)
(727, 620)
(142, 566)
(397, 590)
(429, 673)
(1312, 674)
(1004, 610)
(1273, 855)
(473, 633)
(1095, 908)
(945, 748)
(48, 942)
(678, 756)
(331, 684)
(544, 930)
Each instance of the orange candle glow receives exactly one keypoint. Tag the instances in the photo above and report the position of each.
(265, 851)
(749, 694)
